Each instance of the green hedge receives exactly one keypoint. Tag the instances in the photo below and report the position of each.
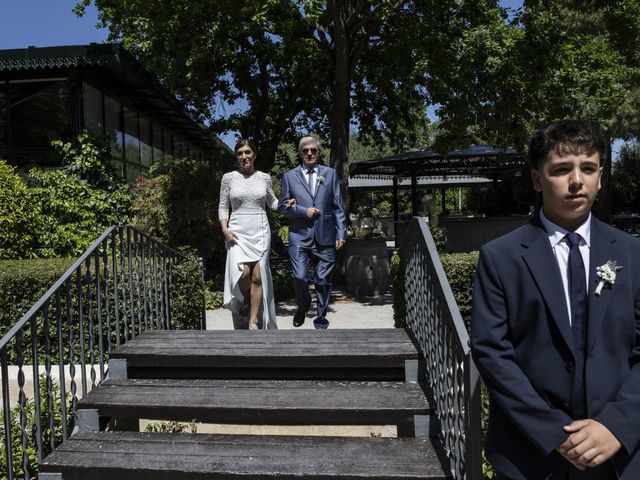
(459, 268)
(188, 295)
(23, 282)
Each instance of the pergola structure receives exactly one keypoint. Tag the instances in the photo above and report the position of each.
(472, 165)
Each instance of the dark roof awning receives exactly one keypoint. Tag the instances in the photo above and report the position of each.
(474, 161)
(404, 183)
(112, 68)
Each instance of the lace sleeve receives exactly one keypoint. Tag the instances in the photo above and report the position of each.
(225, 189)
(272, 200)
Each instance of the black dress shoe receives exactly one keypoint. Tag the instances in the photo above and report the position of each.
(321, 323)
(298, 318)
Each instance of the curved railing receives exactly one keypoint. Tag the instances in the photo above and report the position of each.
(432, 315)
(58, 351)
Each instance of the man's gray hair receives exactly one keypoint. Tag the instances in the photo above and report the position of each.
(306, 141)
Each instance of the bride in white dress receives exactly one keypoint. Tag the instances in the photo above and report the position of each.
(248, 288)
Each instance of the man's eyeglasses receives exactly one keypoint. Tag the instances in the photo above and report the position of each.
(310, 150)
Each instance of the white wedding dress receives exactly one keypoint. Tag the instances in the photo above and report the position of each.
(246, 197)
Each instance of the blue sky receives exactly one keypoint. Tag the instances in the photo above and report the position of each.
(44, 23)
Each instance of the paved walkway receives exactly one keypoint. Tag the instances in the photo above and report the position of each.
(345, 311)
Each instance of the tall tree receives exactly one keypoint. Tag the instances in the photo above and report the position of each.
(275, 69)
(550, 60)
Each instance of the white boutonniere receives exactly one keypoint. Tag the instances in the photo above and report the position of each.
(607, 275)
(320, 179)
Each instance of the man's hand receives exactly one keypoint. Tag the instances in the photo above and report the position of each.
(291, 202)
(340, 244)
(589, 444)
(312, 212)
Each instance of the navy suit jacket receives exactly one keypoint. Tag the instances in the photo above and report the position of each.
(325, 229)
(522, 343)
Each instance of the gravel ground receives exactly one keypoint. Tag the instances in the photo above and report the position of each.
(345, 311)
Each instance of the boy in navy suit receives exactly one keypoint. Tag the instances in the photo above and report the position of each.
(556, 325)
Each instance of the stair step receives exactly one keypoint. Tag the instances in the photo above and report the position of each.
(266, 402)
(274, 354)
(151, 456)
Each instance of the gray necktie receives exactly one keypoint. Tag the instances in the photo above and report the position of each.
(310, 172)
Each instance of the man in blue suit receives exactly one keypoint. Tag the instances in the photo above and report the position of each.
(317, 228)
(556, 326)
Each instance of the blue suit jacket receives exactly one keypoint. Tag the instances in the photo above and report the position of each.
(522, 344)
(331, 224)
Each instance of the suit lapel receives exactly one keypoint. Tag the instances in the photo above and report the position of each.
(319, 173)
(603, 249)
(544, 268)
(303, 180)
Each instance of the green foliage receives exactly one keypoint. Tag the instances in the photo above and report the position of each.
(23, 282)
(72, 213)
(17, 215)
(171, 427)
(439, 237)
(179, 207)
(282, 284)
(460, 268)
(626, 178)
(397, 289)
(188, 293)
(59, 213)
(213, 299)
(280, 59)
(16, 432)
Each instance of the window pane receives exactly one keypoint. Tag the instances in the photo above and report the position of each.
(131, 145)
(40, 112)
(114, 133)
(3, 119)
(146, 154)
(156, 131)
(178, 147)
(168, 145)
(93, 110)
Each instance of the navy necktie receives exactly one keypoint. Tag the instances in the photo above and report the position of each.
(578, 296)
(310, 172)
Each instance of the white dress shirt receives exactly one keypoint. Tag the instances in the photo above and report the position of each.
(305, 172)
(560, 248)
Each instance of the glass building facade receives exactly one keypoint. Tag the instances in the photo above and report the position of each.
(53, 93)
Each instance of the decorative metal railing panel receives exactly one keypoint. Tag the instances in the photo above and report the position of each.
(434, 319)
(58, 351)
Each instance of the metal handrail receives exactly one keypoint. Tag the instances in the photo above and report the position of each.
(120, 287)
(433, 317)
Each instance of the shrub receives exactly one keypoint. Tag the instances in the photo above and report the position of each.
(178, 205)
(187, 305)
(397, 290)
(23, 282)
(460, 268)
(73, 213)
(46, 434)
(59, 213)
(17, 215)
(171, 427)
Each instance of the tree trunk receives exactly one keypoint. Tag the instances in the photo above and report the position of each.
(604, 210)
(341, 106)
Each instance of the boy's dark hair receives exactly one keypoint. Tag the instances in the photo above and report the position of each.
(565, 137)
